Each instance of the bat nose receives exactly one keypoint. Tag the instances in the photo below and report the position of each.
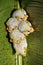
(18, 18)
(25, 17)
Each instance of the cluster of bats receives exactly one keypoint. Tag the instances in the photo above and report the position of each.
(19, 27)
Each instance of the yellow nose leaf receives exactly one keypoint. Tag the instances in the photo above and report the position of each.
(25, 17)
(15, 42)
(9, 30)
(18, 18)
(25, 34)
(15, 27)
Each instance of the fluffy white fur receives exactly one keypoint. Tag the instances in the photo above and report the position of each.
(12, 22)
(20, 47)
(25, 27)
(20, 12)
(16, 35)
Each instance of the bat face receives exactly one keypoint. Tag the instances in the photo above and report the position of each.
(21, 14)
(26, 27)
(12, 23)
(17, 36)
(21, 48)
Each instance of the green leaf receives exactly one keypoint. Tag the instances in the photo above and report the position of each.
(20, 60)
(35, 40)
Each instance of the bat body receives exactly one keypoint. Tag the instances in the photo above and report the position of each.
(21, 48)
(12, 24)
(26, 28)
(17, 36)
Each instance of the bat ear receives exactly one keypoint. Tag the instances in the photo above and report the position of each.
(31, 30)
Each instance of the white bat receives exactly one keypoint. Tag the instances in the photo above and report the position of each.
(16, 36)
(21, 14)
(21, 48)
(12, 23)
(26, 27)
